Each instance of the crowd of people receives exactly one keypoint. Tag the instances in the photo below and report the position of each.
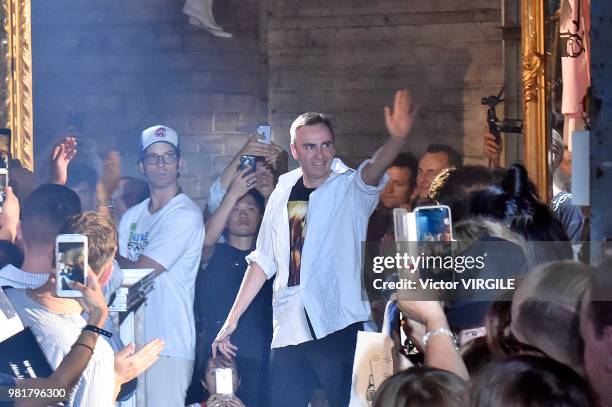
(266, 285)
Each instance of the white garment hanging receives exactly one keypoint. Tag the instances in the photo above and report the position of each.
(200, 14)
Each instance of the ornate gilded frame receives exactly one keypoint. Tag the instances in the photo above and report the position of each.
(16, 89)
(535, 126)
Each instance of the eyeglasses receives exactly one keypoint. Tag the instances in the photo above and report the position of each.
(153, 159)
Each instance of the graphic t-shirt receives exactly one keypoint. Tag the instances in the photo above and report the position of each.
(172, 237)
(297, 207)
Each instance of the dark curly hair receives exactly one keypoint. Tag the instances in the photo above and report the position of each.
(515, 203)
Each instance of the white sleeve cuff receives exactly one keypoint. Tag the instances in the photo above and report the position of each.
(369, 189)
(264, 262)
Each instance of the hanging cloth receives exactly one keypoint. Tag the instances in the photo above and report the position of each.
(575, 55)
(200, 14)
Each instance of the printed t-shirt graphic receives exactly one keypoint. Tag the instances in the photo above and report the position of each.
(137, 242)
(297, 207)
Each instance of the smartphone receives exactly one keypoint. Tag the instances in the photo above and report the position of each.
(224, 380)
(4, 182)
(249, 161)
(266, 133)
(434, 235)
(433, 224)
(70, 263)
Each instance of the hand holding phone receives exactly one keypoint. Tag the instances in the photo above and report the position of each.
(70, 264)
(9, 215)
(92, 301)
(242, 182)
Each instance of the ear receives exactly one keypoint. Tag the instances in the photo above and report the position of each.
(141, 167)
(19, 234)
(106, 272)
(293, 151)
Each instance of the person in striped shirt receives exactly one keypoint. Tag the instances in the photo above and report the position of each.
(57, 322)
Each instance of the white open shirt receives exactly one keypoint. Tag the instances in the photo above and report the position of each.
(330, 288)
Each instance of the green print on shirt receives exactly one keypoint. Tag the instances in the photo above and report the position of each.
(136, 242)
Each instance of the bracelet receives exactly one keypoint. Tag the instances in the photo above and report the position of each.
(439, 331)
(110, 204)
(82, 344)
(97, 330)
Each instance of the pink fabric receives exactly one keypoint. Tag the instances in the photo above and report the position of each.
(575, 54)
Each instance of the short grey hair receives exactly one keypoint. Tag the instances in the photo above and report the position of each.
(310, 119)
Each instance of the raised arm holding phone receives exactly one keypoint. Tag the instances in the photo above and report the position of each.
(269, 154)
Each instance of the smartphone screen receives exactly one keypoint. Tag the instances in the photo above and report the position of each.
(249, 161)
(266, 133)
(5, 146)
(4, 160)
(224, 382)
(434, 236)
(71, 258)
(433, 224)
(3, 184)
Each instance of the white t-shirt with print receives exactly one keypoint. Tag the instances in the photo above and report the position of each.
(173, 237)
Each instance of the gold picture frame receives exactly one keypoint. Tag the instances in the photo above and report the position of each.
(535, 118)
(16, 88)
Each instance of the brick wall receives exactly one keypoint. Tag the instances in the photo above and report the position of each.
(345, 57)
(111, 68)
(116, 67)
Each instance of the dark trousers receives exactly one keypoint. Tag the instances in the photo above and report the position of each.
(327, 363)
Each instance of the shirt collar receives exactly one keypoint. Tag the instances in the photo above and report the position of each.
(290, 178)
(13, 277)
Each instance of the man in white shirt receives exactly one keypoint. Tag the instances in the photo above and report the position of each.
(165, 232)
(310, 238)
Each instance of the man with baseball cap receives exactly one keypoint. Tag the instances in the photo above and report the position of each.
(165, 232)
